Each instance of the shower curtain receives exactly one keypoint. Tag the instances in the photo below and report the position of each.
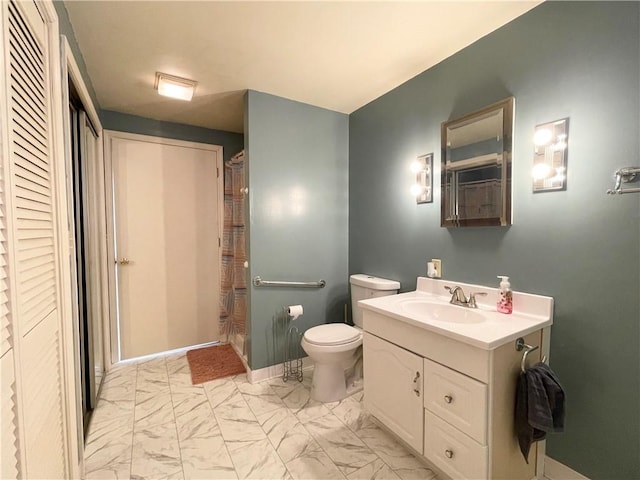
(233, 291)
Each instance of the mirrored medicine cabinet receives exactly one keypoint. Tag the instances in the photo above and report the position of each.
(476, 167)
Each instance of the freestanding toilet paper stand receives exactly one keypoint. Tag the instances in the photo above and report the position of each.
(292, 354)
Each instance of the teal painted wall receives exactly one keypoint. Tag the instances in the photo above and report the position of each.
(231, 142)
(562, 59)
(298, 194)
(64, 24)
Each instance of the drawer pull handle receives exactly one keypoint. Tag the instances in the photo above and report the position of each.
(448, 398)
(448, 453)
(416, 389)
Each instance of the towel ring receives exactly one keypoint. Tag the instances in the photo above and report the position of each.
(520, 345)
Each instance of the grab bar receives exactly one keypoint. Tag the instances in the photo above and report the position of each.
(520, 345)
(258, 282)
(625, 175)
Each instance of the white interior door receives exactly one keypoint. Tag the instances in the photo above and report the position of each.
(167, 202)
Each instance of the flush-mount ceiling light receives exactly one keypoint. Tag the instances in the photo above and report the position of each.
(175, 87)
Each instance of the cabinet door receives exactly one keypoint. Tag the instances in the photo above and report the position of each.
(393, 388)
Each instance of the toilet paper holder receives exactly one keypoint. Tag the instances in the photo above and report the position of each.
(292, 367)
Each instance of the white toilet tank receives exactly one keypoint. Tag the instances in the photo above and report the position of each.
(366, 286)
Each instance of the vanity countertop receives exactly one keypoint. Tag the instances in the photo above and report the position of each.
(486, 329)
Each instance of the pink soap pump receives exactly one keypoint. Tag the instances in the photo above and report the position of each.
(505, 304)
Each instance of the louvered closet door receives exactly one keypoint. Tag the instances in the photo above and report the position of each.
(9, 462)
(33, 244)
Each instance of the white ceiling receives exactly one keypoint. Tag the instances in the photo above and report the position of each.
(336, 55)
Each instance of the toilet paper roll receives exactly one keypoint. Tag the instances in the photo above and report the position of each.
(295, 311)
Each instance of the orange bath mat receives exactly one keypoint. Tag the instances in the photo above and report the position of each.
(216, 361)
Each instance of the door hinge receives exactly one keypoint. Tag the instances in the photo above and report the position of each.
(217, 172)
(219, 242)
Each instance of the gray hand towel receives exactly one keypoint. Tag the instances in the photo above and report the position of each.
(539, 406)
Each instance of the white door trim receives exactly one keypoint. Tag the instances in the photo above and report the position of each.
(69, 70)
(69, 413)
(109, 136)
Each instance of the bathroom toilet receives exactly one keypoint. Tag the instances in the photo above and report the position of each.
(336, 348)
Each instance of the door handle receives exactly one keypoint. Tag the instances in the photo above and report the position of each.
(123, 261)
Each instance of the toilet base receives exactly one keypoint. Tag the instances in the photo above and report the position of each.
(328, 383)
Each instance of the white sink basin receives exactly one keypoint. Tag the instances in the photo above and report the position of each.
(441, 312)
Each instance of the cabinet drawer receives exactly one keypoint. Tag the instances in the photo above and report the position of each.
(456, 398)
(452, 451)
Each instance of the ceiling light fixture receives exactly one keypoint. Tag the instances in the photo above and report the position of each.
(175, 87)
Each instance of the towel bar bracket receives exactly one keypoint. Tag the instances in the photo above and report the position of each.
(520, 345)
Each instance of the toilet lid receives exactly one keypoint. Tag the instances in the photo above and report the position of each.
(332, 334)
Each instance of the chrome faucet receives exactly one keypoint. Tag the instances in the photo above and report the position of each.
(459, 298)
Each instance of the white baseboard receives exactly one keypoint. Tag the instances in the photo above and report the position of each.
(273, 371)
(554, 470)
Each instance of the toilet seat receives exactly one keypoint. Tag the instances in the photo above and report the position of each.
(332, 334)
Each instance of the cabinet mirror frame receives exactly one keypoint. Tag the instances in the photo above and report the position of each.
(485, 172)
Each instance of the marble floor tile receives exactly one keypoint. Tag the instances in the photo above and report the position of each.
(120, 385)
(153, 363)
(110, 410)
(256, 459)
(152, 423)
(351, 412)
(177, 363)
(376, 470)
(282, 388)
(154, 409)
(314, 465)
(107, 453)
(179, 372)
(287, 435)
(206, 458)
(116, 470)
(418, 473)
(156, 453)
(300, 403)
(260, 397)
(392, 452)
(346, 450)
(197, 423)
(221, 391)
(108, 434)
(187, 398)
(237, 422)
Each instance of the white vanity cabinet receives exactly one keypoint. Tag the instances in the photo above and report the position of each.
(394, 393)
(459, 414)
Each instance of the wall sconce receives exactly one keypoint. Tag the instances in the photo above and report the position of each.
(423, 188)
(551, 141)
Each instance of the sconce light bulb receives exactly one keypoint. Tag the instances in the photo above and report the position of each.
(542, 171)
(542, 137)
(560, 146)
(416, 166)
(416, 189)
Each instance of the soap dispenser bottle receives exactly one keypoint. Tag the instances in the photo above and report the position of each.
(505, 304)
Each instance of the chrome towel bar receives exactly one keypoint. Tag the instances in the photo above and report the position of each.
(258, 282)
(625, 175)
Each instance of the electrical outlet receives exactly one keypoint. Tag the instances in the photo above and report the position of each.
(437, 263)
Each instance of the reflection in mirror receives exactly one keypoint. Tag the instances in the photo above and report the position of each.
(476, 167)
(550, 156)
